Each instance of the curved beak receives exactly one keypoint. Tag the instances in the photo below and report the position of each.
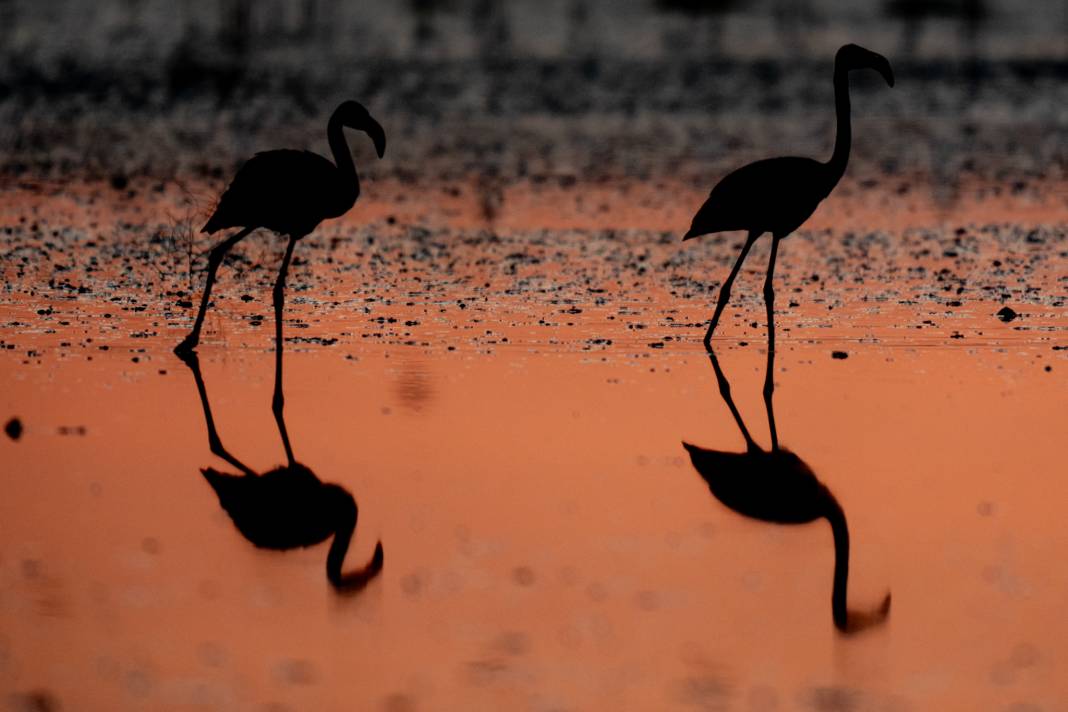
(882, 65)
(377, 134)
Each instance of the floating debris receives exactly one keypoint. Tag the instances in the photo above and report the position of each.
(13, 428)
(1006, 314)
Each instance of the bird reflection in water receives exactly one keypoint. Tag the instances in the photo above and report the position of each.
(287, 507)
(778, 486)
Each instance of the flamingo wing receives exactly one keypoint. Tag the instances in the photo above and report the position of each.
(774, 195)
(286, 191)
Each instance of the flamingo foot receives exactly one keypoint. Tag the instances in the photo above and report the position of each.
(187, 348)
(708, 338)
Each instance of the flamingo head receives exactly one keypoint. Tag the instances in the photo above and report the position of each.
(853, 56)
(354, 115)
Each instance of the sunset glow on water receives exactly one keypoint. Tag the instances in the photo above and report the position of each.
(497, 354)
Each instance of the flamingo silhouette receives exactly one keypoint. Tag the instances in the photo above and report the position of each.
(778, 195)
(778, 486)
(289, 192)
(287, 507)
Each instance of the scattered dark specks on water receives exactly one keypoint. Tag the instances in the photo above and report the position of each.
(398, 701)
(839, 354)
(34, 701)
(13, 428)
(834, 699)
(296, 672)
(523, 575)
(512, 643)
(1006, 314)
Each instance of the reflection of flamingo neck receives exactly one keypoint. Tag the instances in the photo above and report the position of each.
(840, 531)
(343, 508)
(345, 526)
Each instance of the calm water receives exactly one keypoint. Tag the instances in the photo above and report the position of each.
(548, 544)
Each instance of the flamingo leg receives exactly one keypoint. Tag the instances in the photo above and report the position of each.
(769, 391)
(769, 292)
(725, 290)
(278, 402)
(725, 392)
(189, 343)
(769, 375)
(214, 442)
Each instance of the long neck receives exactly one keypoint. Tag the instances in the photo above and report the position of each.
(836, 517)
(844, 135)
(335, 134)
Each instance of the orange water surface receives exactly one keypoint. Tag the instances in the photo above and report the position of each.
(548, 545)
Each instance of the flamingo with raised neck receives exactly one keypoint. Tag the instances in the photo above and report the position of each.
(778, 195)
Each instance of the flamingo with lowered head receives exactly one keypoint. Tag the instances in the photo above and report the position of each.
(778, 195)
(289, 192)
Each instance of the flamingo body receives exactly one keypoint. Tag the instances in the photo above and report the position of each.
(287, 191)
(775, 195)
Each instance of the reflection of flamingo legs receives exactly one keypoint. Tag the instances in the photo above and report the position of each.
(278, 401)
(725, 393)
(214, 442)
(769, 375)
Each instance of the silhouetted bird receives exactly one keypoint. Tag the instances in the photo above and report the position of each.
(289, 192)
(287, 507)
(777, 195)
(777, 486)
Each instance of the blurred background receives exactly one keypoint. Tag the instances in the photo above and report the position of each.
(578, 89)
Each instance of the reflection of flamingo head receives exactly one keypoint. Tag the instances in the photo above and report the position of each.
(853, 56)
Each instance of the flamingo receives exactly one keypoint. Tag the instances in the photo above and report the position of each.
(289, 192)
(778, 195)
(287, 507)
(778, 486)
